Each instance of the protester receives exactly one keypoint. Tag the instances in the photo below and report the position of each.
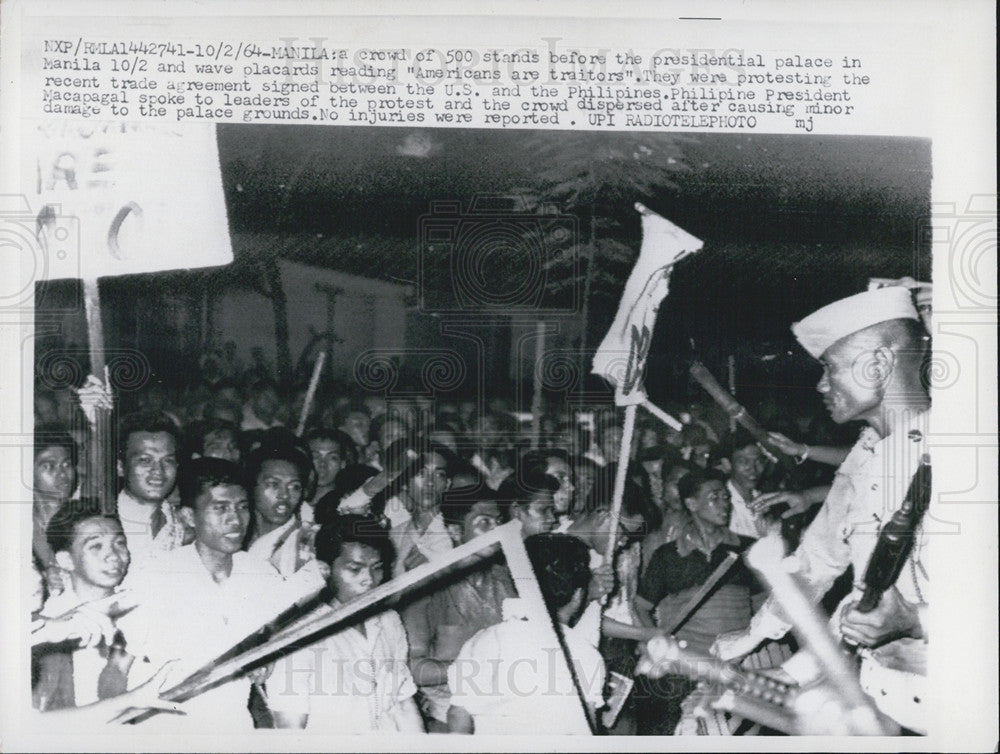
(441, 622)
(91, 549)
(676, 571)
(148, 460)
(54, 481)
(200, 599)
(506, 680)
(356, 680)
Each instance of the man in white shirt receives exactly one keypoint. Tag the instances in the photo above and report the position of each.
(90, 548)
(506, 681)
(148, 459)
(871, 348)
(747, 463)
(201, 599)
(356, 680)
(424, 536)
(278, 476)
(263, 407)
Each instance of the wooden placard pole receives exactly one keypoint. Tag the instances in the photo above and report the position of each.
(536, 396)
(662, 415)
(621, 474)
(310, 393)
(95, 328)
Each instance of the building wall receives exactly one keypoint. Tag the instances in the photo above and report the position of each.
(366, 314)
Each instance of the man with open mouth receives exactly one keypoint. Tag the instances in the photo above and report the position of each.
(201, 599)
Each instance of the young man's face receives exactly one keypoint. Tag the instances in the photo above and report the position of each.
(358, 569)
(482, 518)
(98, 555)
(222, 444)
(748, 465)
(150, 465)
(220, 517)
(326, 458)
(266, 405)
(562, 473)
(54, 474)
(427, 488)
(538, 515)
(711, 503)
(356, 425)
(278, 491)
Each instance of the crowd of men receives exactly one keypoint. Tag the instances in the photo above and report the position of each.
(227, 518)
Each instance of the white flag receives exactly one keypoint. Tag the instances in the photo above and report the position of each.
(621, 357)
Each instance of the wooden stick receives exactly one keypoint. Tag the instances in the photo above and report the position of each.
(662, 415)
(621, 474)
(307, 627)
(766, 556)
(95, 327)
(703, 591)
(536, 396)
(310, 393)
(535, 610)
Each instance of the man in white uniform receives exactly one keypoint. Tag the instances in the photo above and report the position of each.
(871, 347)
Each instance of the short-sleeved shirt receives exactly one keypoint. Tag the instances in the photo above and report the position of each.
(348, 683)
(512, 683)
(185, 615)
(440, 624)
(432, 543)
(673, 578)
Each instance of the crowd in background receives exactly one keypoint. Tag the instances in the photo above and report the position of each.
(227, 515)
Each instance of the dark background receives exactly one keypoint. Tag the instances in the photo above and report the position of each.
(789, 223)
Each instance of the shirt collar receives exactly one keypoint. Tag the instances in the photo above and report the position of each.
(130, 509)
(688, 538)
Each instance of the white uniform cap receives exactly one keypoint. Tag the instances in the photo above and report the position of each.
(826, 326)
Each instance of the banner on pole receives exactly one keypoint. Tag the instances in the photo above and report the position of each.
(621, 357)
(119, 199)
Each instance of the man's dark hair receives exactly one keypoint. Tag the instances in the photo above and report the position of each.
(538, 460)
(561, 564)
(278, 452)
(348, 450)
(55, 436)
(199, 474)
(739, 440)
(62, 526)
(352, 528)
(354, 407)
(197, 431)
(519, 490)
(689, 484)
(457, 503)
(635, 500)
(145, 421)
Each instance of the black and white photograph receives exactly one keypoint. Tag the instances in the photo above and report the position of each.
(407, 431)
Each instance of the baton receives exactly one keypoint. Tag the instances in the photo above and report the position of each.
(738, 412)
(699, 596)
